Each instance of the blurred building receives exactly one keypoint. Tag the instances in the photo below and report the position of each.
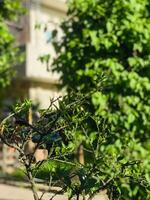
(34, 81)
(34, 32)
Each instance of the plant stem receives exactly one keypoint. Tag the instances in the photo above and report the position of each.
(33, 187)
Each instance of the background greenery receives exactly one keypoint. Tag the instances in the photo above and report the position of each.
(112, 39)
(10, 11)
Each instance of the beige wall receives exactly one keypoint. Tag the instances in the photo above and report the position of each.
(42, 13)
(38, 45)
(42, 96)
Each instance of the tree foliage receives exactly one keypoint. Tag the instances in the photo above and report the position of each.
(112, 38)
(61, 130)
(9, 12)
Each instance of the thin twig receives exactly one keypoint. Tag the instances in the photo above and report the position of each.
(58, 192)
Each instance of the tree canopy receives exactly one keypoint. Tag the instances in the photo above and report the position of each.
(112, 39)
(9, 12)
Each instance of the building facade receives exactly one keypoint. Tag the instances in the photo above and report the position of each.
(34, 80)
